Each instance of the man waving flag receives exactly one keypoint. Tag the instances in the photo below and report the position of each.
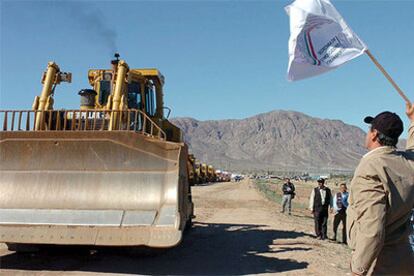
(320, 40)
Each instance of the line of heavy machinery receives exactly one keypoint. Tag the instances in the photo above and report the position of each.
(200, 173)
(115, 172)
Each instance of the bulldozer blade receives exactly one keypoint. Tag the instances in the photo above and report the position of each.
(96, 188)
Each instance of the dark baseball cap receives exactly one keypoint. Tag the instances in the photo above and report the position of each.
(388, 123)
(321, 180)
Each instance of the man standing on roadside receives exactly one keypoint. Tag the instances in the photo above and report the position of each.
(340, 204)
(288, 190)
(381, 198)
(319, 203)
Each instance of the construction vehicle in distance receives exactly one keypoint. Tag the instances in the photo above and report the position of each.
(219, 175)
(203, 173)
(227, 176)
(197, 172)
(222, 176)
(112, 173)
(211, 174)
(192, 176)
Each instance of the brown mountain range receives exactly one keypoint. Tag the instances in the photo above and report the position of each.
(275, 141)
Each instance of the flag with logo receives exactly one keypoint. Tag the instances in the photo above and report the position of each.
(320, 40)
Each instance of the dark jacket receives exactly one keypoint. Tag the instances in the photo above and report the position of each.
(317, 202)
(285, 188)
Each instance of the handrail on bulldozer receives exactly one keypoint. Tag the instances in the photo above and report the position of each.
(133, 120)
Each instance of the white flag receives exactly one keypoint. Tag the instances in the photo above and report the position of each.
(320, 40)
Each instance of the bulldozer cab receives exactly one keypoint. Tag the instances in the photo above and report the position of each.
(142, 90)
(124, 88)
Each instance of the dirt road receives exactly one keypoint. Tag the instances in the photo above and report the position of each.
(236, 232)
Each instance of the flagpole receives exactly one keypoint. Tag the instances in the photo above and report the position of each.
(375, 61)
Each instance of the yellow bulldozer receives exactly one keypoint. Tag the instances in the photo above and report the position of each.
(112, 173)
(197, 172)
(191, 169)
(211, 174)
(203, 173)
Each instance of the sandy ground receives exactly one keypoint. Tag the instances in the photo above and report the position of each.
(236, 232)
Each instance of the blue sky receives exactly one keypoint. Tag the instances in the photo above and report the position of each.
(221, 59)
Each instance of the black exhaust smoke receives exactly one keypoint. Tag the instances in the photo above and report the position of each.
(93, 22)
